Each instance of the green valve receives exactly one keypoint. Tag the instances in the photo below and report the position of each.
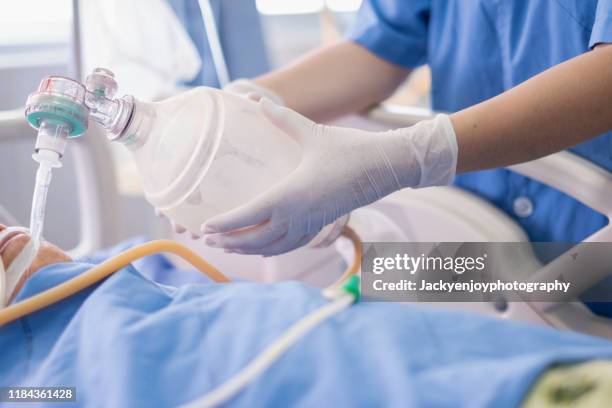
(352, 285)
(58, 109)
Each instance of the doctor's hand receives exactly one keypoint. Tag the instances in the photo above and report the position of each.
(341, 169)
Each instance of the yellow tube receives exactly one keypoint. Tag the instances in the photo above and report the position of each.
(354, 267)
(112, 265)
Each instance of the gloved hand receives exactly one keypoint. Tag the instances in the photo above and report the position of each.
(251, 90)
(341, 169)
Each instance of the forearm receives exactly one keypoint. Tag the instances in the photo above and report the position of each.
(557, 109)
(333, 81)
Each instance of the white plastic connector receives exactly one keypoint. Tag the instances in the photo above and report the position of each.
(47, 158)
(112, 114)
(51, 137)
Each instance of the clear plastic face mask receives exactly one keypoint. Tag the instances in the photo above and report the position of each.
(11, 276)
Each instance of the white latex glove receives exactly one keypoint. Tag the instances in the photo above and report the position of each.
(341, 169)
(250, 89)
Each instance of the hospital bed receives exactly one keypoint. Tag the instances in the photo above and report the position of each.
(443, 214)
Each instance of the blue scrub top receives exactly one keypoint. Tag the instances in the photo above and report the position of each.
(479, 49)
(243, 49)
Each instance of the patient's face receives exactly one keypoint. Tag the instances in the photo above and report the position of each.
(12, 245)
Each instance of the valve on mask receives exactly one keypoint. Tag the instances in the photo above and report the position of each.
(60, 109)
(112, 114)
(57, 110)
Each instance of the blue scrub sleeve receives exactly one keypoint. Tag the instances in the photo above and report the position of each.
(602, 27)
(394, 30)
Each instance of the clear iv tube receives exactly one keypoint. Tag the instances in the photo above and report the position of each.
(50, 147)
(39, 200)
